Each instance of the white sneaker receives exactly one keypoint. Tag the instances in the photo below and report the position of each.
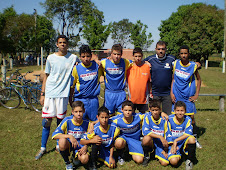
(189, 165)
(121, 161)
(69, 167)
(198, 145)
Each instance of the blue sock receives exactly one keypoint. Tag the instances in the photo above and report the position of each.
(45, 136)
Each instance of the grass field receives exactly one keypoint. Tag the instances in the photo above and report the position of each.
(21, 134)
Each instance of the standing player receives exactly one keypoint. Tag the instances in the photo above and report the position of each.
(85, 79)
(138, 79)
(114, 71)
(102, 139)
(182, 136)
(55, 88)
(69, 133)
(183, 85)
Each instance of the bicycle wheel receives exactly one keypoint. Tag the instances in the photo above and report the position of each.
(33, 97)
(9, 98)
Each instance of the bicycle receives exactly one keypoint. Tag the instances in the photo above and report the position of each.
(28, 92)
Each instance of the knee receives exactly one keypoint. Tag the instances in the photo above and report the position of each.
(191, 140)
(84, 158)
(163, 163)
(138, 159)
(120, 144)
(174, 161)
(63, 144)
(147, 141)
(46, 123)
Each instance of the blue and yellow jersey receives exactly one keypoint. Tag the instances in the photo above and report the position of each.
(130, 129)
(184, 80)
(178, 130)
(108, 136)
(115, 74)
(70, 127)
(86, 80)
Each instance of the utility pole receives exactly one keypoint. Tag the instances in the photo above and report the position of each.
(223, 71)
(35, 15)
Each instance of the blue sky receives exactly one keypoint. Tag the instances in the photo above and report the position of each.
(150, 12)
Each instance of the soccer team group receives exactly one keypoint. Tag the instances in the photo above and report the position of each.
(157, 86)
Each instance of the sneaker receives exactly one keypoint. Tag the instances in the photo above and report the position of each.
(69, 167)
(146, 160)
(121, 161)
(57, 149)
(198, 145)
(40, 154)
(189, 165)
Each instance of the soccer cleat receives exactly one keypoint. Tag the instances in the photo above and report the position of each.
(121, 161)
(40, 154)
(57, 149)
(198, 145)
(146, 160)
(189, 165)
(69, 167)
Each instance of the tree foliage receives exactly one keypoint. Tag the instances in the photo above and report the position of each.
(121, 32)
(139, 38)
(95, 32)
(71, 14)
(199, 26)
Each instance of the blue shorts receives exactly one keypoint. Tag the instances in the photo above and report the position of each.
(182, 146)
(134, 145)
(104, 155)
(74, 150)
(91, 107)
(190, 108)
(159, 155)
(113, 100)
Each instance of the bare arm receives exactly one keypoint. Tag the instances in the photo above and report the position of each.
(42, 98)
(174, 146)
(171, 91)
(97, 139)
(111, 158)
(74, 142)
(198, 79)
(163, 140)
(71, 96)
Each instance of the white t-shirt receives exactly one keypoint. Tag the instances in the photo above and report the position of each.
(59, 69)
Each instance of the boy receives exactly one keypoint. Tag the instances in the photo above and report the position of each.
(130, 127)
(85, 80)
(102, 139)
(138, 79)
(69, 133)
(182, 136)
(55, 88)
(183, 85)
(114, 71)
(155, 131)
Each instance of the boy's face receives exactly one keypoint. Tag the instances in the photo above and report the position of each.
(137, 57)
(184, 54)
(179, 112)
(155, 111)
(116, 56)
(62, 44)
(127, 111)
(78, 113)
(86, 58)
(103, 119)
(160, 50)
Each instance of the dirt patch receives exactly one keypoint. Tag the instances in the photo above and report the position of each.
(32, 77)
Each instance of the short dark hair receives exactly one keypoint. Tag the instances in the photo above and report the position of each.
(155, 103)
(180, 104)
(103, 109)
(62, 36)
(78, 104)
(137, 50)
(84, 49)
(184, 47)
(127, 103)
(117, 47)
(161, 43)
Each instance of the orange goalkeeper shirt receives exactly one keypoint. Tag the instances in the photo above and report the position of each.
(138, 78)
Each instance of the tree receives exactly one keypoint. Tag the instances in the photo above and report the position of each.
(95, 33)
(199, 26)
(71, 14)
(139, 38)
(121, 32)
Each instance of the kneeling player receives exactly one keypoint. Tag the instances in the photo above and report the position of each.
(155, 131)
(69, 133)
(102, 139)
(182, 136)
(130, 126)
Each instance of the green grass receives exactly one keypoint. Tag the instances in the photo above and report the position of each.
(20, 135)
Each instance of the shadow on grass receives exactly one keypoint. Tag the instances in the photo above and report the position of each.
(208, 110)
(201, 131)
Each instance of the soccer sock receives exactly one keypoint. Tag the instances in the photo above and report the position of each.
(58, 122)
(120, 153)
(93, 156)
(195, 129)
(65, 154)
(45, 136)
(146, 151)
(191, 152)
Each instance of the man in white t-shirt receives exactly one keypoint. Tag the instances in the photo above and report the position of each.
(55, 88)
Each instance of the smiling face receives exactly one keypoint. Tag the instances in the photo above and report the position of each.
(62, 45)
(179, 112)
(184, 54)
(116, 56)
(78, 113)
(86, 58)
